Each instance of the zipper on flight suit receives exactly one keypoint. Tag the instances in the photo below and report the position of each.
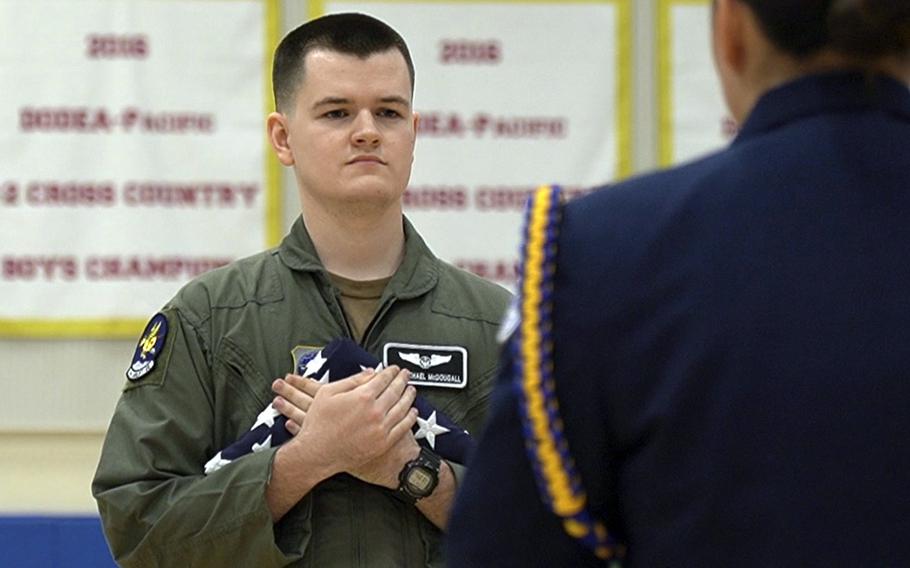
(334, 293)
(357, 499)
(380, 313)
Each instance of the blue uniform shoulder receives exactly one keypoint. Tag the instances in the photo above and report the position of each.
(644, 195)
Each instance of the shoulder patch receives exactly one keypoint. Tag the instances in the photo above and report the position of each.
(150, 347)
(301, 355)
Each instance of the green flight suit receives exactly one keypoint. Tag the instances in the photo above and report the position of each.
(230, 333)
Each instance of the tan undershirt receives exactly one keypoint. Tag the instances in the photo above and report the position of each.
(359, 300)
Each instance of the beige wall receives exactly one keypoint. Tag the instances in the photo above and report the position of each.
(58, 396)
(57, 399)
(49, 472)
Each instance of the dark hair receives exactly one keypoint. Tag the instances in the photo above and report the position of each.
(351, 34)
(860, 28)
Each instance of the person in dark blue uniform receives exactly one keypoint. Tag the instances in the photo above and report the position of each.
(710, 365)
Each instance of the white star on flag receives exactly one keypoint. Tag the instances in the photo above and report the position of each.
(429, 429)
(216, 462)
(267, 417)
(266, 444)
(313, 365)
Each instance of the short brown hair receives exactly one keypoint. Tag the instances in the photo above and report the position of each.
(350, 33)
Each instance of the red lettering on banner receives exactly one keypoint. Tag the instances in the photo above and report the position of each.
(453, 51)
(9, 193)
(483, 125)
(167, 122)
(440, 124)
(109, 46)
(519, 126)
(436, 197)
(149, 268)
(100, 120)
(498, 270)
(209, 194)
(501, 197)
(49, 193)
(513, 198)
(64, 119)
(52, 193)
(34, 267)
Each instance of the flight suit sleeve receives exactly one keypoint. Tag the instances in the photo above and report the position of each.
(156, 505)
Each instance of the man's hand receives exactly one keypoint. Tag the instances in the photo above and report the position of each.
(353, 422)
(295, 395)
(297, 401)
(343, 426)
(384, 469)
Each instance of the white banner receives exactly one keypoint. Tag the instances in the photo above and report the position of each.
(132, 155)
(511, 96)
(693, 116)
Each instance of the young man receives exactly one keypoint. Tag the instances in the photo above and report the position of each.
(352, 266)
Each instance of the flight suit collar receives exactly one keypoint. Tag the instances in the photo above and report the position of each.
(297, 250)
(418, 273)
(827, 93)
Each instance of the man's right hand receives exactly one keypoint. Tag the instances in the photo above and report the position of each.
(355, 420)
(348, 423)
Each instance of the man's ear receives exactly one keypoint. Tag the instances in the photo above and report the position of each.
(416, 123)
(276, 125)
(729, 35)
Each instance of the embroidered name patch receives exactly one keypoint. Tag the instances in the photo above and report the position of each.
(430, 365)
(150, 346)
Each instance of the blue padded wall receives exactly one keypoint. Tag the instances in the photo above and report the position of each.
(52, 542)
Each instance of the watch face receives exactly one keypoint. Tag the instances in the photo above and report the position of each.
(420, 480)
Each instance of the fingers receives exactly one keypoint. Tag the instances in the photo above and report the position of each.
(392, 394)
(309, 386)
(377, 385)
(292, 427)
(403, 426)
(296, 390)
(352, 382)
(291, 412)
(295, 395)
(400, 408)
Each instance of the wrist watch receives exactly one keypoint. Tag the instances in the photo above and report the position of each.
(418, 477)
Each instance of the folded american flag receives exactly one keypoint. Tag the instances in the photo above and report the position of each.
(340, 359)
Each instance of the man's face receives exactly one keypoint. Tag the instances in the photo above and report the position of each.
(350, 135)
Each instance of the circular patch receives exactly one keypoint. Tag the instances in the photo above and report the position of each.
(303, 354)
(150, 346)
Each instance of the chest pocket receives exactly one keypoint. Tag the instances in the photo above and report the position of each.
(241, 392)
